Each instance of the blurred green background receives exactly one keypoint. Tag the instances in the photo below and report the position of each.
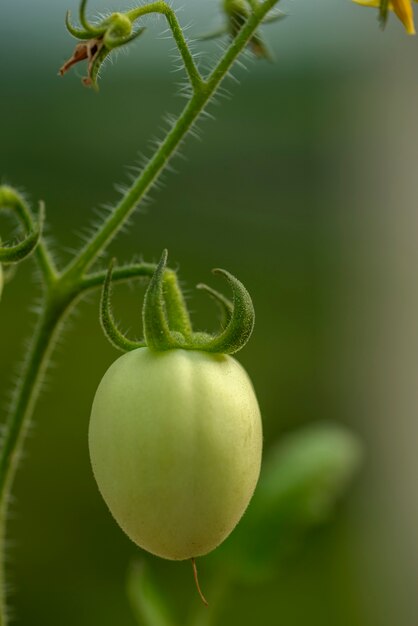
(305, 188)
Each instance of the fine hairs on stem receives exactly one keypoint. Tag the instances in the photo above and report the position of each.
(63, 287)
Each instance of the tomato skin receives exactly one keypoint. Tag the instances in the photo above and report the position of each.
(175, 443)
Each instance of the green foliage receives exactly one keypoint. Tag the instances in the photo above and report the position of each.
(148, 605)
(302, 479)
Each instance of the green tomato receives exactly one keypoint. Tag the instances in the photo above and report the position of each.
(175, 443)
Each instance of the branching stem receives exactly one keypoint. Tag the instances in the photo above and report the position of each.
(164, 9)
(63, 289)
(193, 109)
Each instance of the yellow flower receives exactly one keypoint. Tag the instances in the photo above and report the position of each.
(402, 8)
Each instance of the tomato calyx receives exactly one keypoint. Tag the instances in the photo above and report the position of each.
(166, 321)
(97, 41)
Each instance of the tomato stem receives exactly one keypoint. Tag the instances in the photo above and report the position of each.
(63, 288)
(179, 129)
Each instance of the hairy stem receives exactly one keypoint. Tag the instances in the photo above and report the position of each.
(18, 421)
(119, 274)
(156, 165)
(163, 8)
(63, 289)
(27, 392)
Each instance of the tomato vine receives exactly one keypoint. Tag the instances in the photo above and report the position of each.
(63, 287)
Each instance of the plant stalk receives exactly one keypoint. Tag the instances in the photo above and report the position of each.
(17, 425)
(64, 289)
(156, 165)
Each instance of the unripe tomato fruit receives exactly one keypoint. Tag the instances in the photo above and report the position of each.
(175, 443)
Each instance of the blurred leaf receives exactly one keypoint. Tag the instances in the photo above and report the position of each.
(146, 602)
(301, 480)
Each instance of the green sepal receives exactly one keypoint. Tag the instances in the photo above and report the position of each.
(225, 305)
(89, 31)
(157, 333)
(166, 321)
(175, 305)
(76, 32)
(99, 58)
(19, 251)
(110, 329)
(93, 30)
(111, 41)
(162, 334)
(240, 326)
